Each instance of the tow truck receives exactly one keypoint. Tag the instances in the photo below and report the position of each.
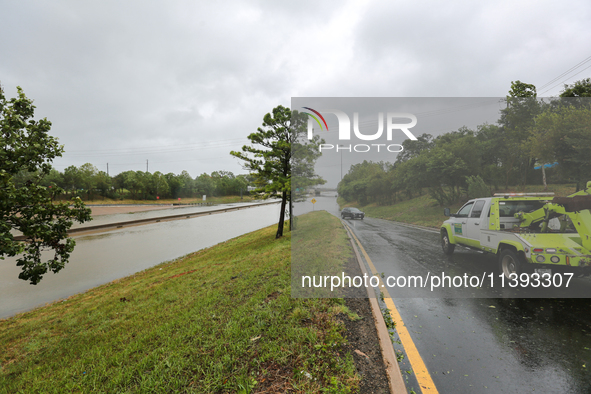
(529, 232)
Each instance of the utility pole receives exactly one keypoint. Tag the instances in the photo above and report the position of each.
(107, 169)
(147, 165)
(340, 146)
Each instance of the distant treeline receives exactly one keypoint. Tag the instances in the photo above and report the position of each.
(530, 133)
(88, 182)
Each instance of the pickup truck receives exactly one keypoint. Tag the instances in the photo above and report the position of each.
(528, 232)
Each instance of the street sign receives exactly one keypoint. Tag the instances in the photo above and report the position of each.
(313, 201)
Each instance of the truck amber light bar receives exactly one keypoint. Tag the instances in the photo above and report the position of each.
(522, 194)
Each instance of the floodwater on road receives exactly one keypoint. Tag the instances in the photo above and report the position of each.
(140, 212)
(106, 256)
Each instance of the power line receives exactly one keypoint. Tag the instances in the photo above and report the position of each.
(565, 73)
(560, 83)
(145, 151)
(162, 146)
(154, 162)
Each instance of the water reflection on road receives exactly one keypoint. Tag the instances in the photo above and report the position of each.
(157, 213)
(103, 257)
(471, 343)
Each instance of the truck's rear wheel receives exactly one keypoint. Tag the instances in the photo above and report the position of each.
(446, 245)
(510, 263)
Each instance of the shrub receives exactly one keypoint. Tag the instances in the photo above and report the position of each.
(476, 187)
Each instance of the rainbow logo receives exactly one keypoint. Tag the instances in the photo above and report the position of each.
(315, 118)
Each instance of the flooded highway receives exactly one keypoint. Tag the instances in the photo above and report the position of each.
(475, 343)
(105, 256)
(155, 213)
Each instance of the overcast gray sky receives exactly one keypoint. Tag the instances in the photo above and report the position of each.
(181, 83)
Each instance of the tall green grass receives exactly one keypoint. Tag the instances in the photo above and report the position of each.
(219, 320)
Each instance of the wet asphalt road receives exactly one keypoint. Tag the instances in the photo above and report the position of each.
(479, 345)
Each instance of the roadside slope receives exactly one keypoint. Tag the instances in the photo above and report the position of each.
(218, 320)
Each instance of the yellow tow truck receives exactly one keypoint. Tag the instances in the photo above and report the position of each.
(529, 232)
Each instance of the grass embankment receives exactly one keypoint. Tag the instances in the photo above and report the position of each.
(213, 200)
(218, 320)
(425, 211)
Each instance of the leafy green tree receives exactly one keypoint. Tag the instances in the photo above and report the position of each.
(88, 174)
(454, 156)
(576, 95)
(53, 179)
(303, 158)
(359, 184)
(541, 144)
(567, 133)
(447, 173)
(188, 189)
(103, 183)
(119, 182)
(22, 177)
(489, 140)
(72, 179)
(175, 184)
(223, 181)
(142, 183)
(412, 148)
(158, 186)
(379, 189)
(205, 185)
(223, 174)
(476, 187)
(128, 180)
(30, 208)
(269, 157)
(304, 154)
(227, 184)
(522, 89)
(240, 184)
(561, 133)
(580, 88)
(517, 120)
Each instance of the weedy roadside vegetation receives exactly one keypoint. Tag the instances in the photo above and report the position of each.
(218, 320)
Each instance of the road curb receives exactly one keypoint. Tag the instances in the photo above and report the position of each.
(395, 380)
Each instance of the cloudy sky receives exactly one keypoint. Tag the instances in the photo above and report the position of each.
(182, 83)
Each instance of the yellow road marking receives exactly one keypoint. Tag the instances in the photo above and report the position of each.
(416, 361)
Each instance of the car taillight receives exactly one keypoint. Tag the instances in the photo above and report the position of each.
(538, 250)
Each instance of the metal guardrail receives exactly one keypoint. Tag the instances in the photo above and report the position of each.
(154, 220)
(200, 204)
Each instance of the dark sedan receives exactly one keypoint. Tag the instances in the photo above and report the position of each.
(352, 213)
